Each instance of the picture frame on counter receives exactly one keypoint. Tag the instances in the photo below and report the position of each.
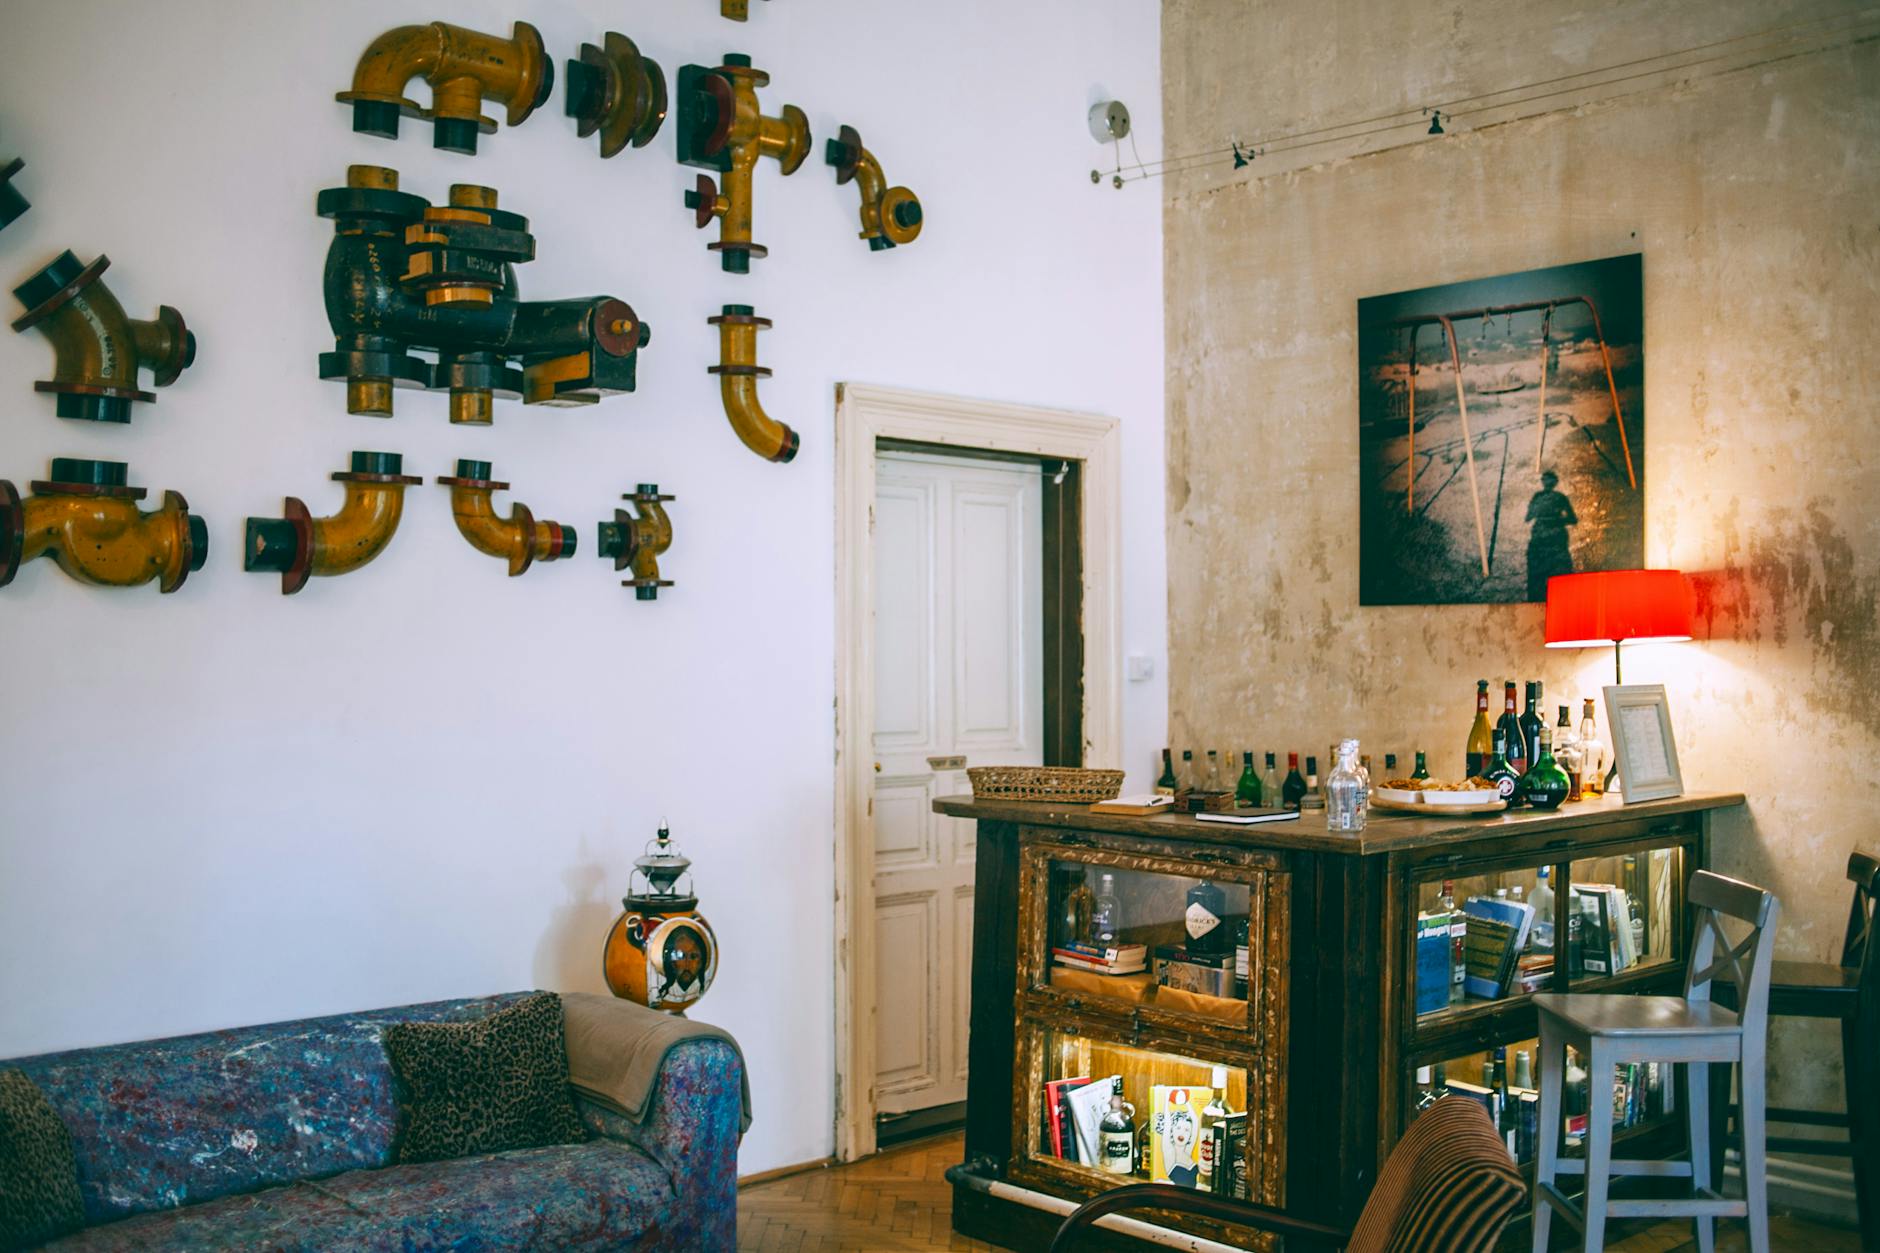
(1645, 751)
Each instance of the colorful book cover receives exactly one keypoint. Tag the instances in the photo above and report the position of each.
(1054, 1111)
(1488, 951)
(1174, 1151)
(1088, 1104)
(1433, 956)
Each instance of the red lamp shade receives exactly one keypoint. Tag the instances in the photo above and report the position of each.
(1606, 606)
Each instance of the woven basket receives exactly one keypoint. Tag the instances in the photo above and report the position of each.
(1070, 785)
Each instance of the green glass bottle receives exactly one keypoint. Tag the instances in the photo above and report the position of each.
(1248, 791)
(1167, 785)
(1545, 784)
(1422, 771)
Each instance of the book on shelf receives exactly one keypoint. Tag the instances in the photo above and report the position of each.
(1248, 817)
(1140, 803)
(1174, 1135)
(1230, 1154)
(1533, 972)
(1127, 959)
(1060, 1141)
(1211, 974)
(1497, 931)
(1602, 942)
(1434, 953)
(1485, 1097)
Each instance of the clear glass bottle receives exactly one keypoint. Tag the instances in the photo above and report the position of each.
(1117, 1132)
(1269, 782)
(1345, 801)
(1567, 753)
(1593, 753)
(1106, 917)
(1188, 780)
(1542, 934)
(1211, 781)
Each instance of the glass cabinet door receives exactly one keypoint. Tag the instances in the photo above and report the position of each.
(1625, 915)
(1481, 937)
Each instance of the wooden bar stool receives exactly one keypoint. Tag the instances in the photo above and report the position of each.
(1693, 1033)
(1849, 992)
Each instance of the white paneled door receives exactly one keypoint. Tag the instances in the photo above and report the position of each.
(959, 681)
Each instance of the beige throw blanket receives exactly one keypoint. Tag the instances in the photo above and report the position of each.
(615, 1048)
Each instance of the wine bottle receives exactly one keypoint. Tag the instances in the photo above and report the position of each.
(1499, 772)
(1567, 752)
(1292, 792)
(1312, 797)
(1509, 724)
(1478, 747)
(1458, 937)
(1167, 784)
(1269, 782)
(1207, 905)
(1544, 785)
(1247, 792)
(1422, 771)
(1531, 724)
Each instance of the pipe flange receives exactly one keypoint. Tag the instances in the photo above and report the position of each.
(494, 485)
(12, 531)
(88, 389)
(53, 487)
(182, 347)
(738, 319)
(361, 476)
(738, 65)
(725, 108)
(703, 200)
(900, 215)
(798, 122)
(375, 365)
(190, 553)
(844, 152)
(301, 569)
(740, 371)
(618, 92)
(538, 74)
(617, 328)
(344, 204)
(69, 285)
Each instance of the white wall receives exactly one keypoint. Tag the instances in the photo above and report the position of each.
(425, 779)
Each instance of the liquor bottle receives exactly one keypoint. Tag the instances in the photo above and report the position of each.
(1542, 933)
(1593, 758)
(1478, 747)
(1188, 781)
(1422, 771)
(1269, 782)
(1168, 783)
(1143, 1148)
(1076, 903)
(1242, 928)
(1567, 752)
(1504, 1121)
(1207, 1168)
(1499, 772)
(1247, 791)
(1426, 1089)
(1207, 905)
(1292, 792)
(1312, 797)
(1509, 724)
(1212, 781)
(1441, 1085)
(1344, 792)
(1523, 1069)
(1117, 1132)
(1106, 917)
(1531, 724)
(1390, 766)
(1544, 785)
(1458, 937)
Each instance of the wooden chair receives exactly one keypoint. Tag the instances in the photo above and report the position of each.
(1690, 1031)
(1849, 992)
(1448, 1187)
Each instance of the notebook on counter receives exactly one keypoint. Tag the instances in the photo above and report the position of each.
(1142, 803)
(1248, 817)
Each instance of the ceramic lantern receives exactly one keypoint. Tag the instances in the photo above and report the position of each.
(659, 951)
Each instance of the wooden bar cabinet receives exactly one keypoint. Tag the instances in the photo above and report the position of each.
(1322, 1039)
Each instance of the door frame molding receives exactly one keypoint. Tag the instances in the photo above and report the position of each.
(864, 415)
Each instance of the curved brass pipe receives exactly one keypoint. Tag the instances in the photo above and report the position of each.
(96, 349)
(890, 215)
(12, 204)
(722, 127)
(616, 91)
(300, 546)
(463, 67)
(518, 539)
(87, 520)
(738, 373)
(637, 540)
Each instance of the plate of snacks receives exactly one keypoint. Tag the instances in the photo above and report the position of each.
(1435, 796)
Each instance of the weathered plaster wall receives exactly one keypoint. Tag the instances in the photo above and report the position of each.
(1752, 197)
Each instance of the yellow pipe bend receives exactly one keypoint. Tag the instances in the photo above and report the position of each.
(94, 531)
(518, 539)
(738, 373)
(301, 546)
(463, 67)
(890, 215)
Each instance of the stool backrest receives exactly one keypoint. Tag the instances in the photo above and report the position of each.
(1863, 871)
(1744, 962)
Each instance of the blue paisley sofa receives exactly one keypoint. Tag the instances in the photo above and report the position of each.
(280, 1137)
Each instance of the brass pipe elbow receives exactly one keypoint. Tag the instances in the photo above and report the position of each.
(723, 128)
(616, 91)
(87, 520)
(463, 67)
(299, 545)
(738, 373)
(890, 215)
(12, 204)
(518, 539)
(96, 349)
(637, 539)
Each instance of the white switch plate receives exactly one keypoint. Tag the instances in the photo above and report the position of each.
(1140, 667)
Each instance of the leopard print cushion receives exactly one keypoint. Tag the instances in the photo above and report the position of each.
(498, 1083)
(39, 1198)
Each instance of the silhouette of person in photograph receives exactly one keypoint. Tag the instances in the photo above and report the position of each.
(1549, 514)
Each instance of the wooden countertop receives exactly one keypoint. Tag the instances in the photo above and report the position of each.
(1383, 833)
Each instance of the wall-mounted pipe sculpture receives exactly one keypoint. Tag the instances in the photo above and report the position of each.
(97, 350)
(299, 546)
(721, 127)
(637, 539)
(518, 539)
(616, 91)
(12, 204)
(736, 10)
(738, 373)
(890, 215)
(403, 275)
(86, 519)
(463, 67)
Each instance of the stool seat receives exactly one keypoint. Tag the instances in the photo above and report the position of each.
(1616, 1015)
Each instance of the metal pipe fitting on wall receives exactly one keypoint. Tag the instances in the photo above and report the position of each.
(738, 373)
(97, 350)
(463, 67)
(402, 274)
(518, 539)
(616, 91)
(12, 204)
(735, 10)
(300, 546)
(86, 518)
(637, 539)
(890, 215)
(722, 128)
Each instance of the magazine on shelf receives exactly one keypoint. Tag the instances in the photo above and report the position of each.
(1088, 1104)
(1434, 954)
(1060, 1143)
(1497, 931)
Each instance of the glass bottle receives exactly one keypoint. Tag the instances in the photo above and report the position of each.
(1207, 1164)
(1426, 1088)
(1422, 771)
(1544, 786)
(1247, 791)
(1500, 773)
(1344, 792)
(1212, 780)
(1106, 917)
(1292, 792)
(1207, 907)
(1542, 933)
(1523, 1069)
(1390, 768)
(1312, 798)
(1458, 938)
(1509, 724)
(1478, 745)
(1117, 1132)
(1593, 758)
(1188, 781)
(1168, 783)
(1567, 752)
(1269, 782)
(1531, 724)
(1076, 903)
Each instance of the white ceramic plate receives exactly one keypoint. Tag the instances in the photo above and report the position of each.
(1481, 797)
(1396, 795)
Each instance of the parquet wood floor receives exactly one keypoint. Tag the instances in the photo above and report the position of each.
(900, 1200)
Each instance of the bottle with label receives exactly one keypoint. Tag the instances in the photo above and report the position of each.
(1542, 933)
(1144, 1148)
(1458, 939)
(1567, 752)
(1207, 906)
(1116, 1132)
(1269, 782)
(1531, 724)
(1247, 792)
(1509, 724)
(1344, 792)
(1207, 1169)
(1422, 772)
(1292, 792)
(1500, 773)
(1312, 797)
(1593, 756)
(1242, 927)
(1504, 1120)
(1478, 746)
(1106, 919)
(1168, 783)
(1544, 786)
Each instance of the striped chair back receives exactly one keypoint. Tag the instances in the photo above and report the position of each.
(1448, 1187)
